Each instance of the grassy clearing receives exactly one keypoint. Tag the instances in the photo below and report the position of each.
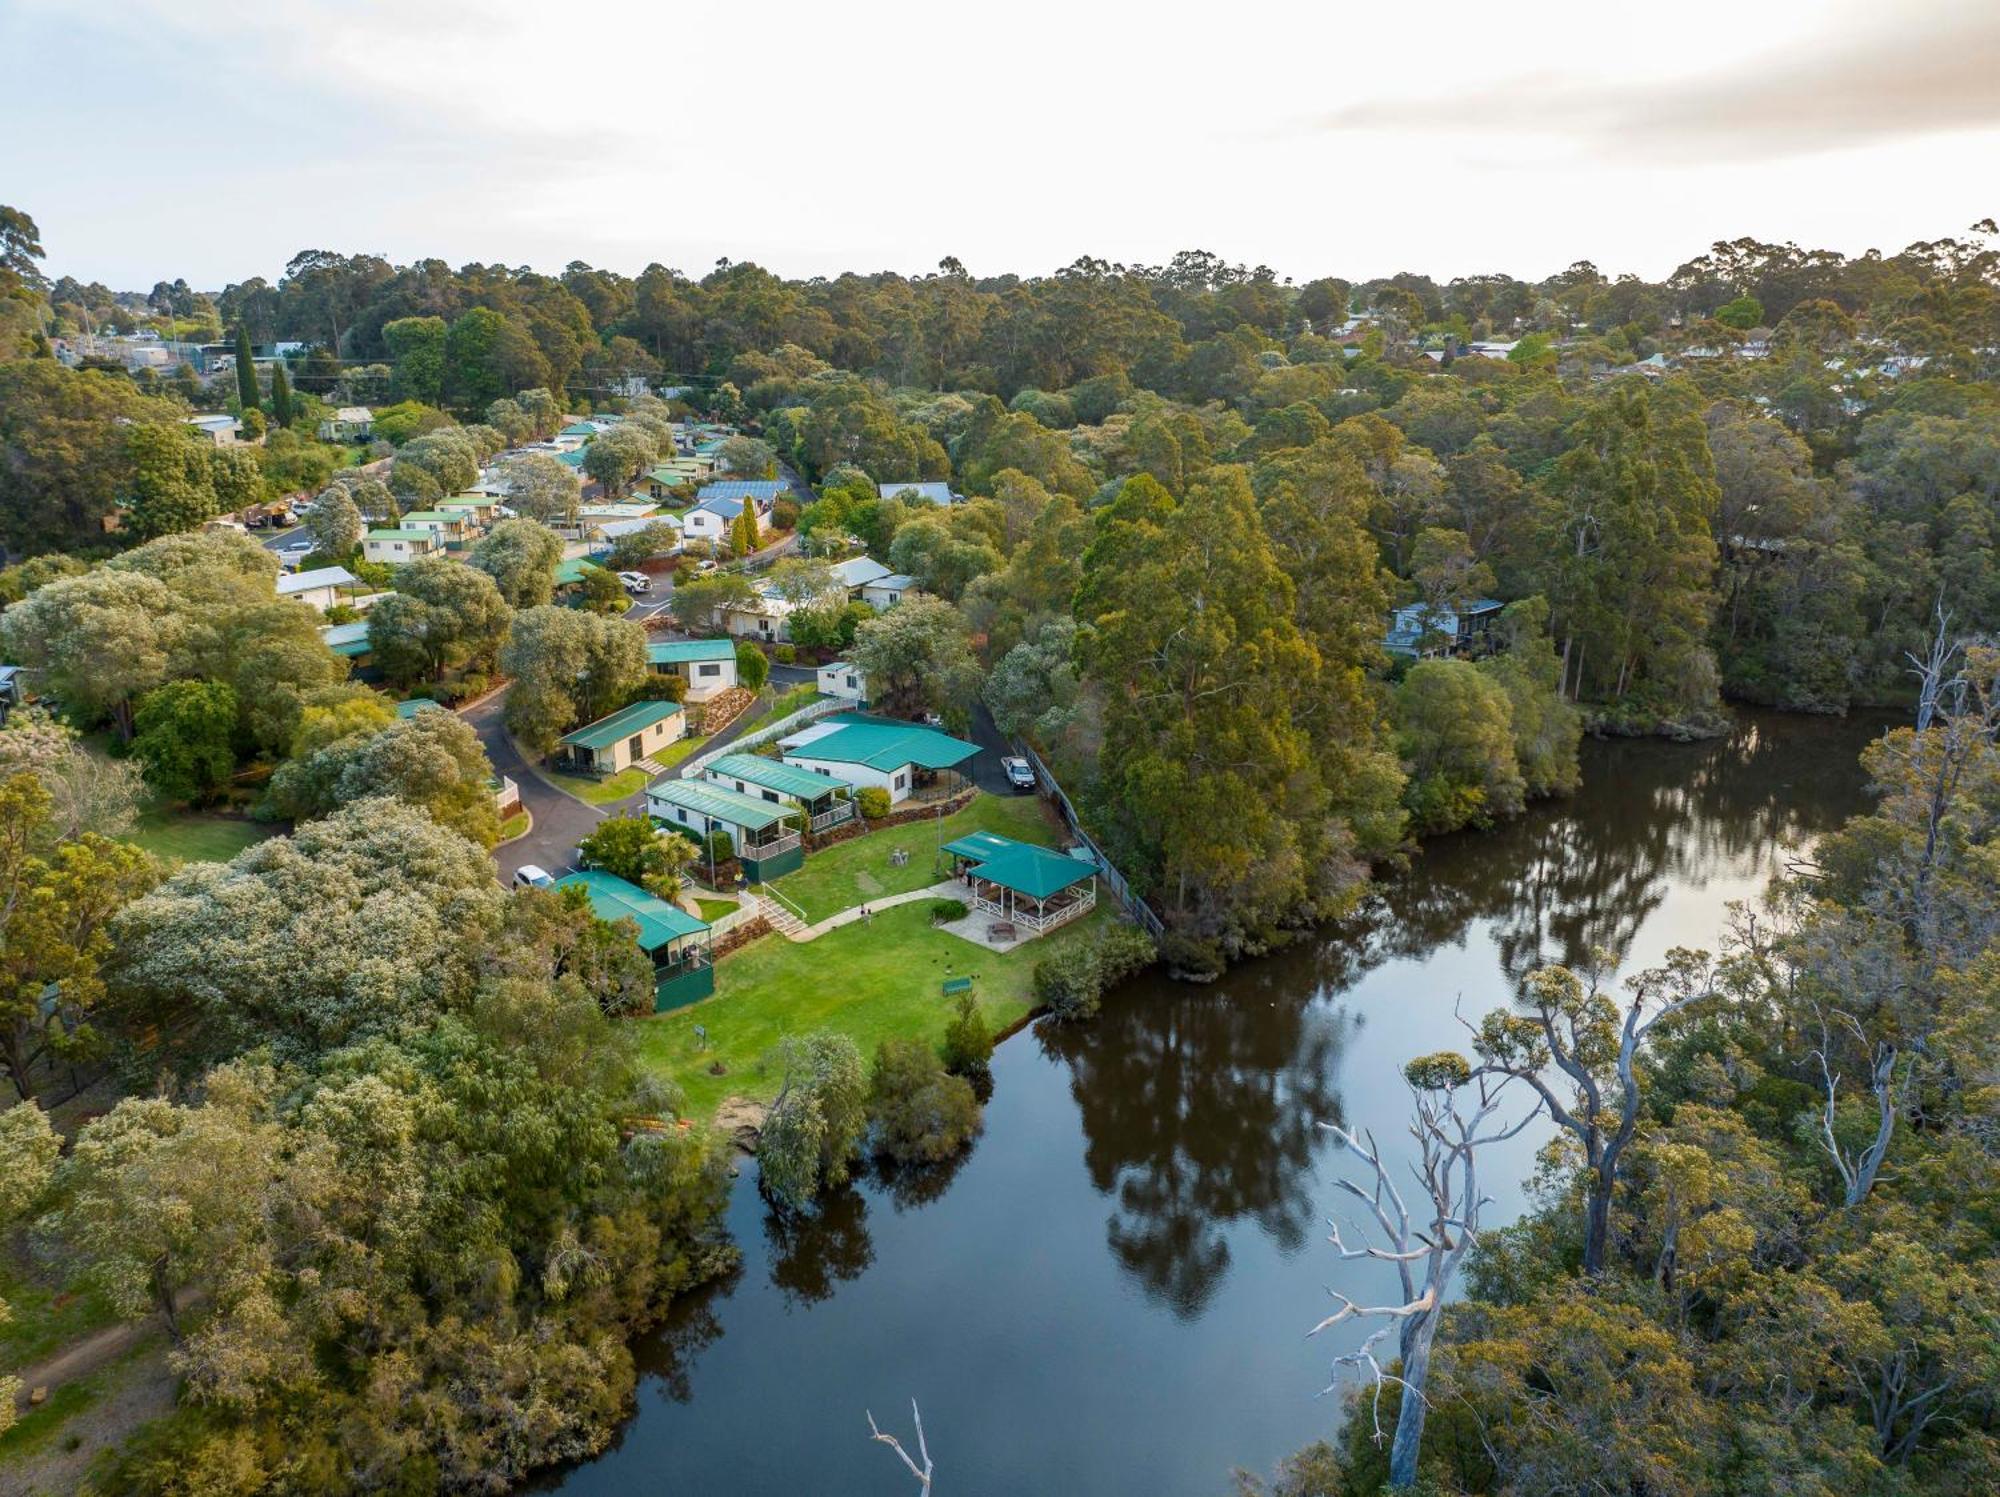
(627, 782)
(681, 749)
(870, 981)
(713, 910)
(853, 872)
(196, 836)
(45, 1319)
(784, 706)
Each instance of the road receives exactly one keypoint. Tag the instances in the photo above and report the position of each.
(561, 821)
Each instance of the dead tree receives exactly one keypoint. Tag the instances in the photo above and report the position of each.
(1453, 1120)
(1858, 1170)
(1584, 1036)
(923, 1472)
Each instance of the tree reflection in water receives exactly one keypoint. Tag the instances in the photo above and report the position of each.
(1198, 1112)
(1198, 1105)
(813, 1251)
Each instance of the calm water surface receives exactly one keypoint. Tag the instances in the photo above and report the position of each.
(1108, 1296)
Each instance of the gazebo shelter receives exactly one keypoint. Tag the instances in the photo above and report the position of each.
(678, 943)
(1028, 886)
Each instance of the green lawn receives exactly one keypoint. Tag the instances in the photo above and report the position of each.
(601, 792)
(713, 910)
(853, 872)
(679, 750)
(792, 701)
(870, 981)
(196, 836)
(516, 825)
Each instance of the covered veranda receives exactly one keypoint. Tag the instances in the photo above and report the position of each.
(1033, 888)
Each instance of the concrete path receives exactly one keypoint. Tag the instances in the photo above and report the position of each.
(949, 889)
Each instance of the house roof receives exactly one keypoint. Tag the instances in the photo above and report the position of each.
(859, 571)
(1035, 872)
(977, 846)
(934, 493)
(612, 529)
(354, 414)
(433, 517)
(898, 581)
(613, 898)
(318, 577)
(416, 705)
(347, 640)
(621, 724)
(880, 743)
(739, 489)
(686, 651)
(574, 570)
(720, 804)
(775, 774)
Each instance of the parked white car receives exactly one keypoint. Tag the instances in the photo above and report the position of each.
(1020, 774)
(636, 582)
(530, 876)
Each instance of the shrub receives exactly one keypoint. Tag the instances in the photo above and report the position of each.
(1071, 981)
(784, 654)
(752, 668)
(874, 802)
(921, 1113)
(814, 1129)
(944, 911)
(720, 847)
(968, 1040)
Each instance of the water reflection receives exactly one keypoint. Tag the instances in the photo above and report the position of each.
(1198, 1114)
(813, 1251)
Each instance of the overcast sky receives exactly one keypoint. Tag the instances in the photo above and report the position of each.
(213, 139)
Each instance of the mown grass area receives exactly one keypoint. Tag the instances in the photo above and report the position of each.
(517, 825)
(625, 783)
(44, 1319)
(870, 981)
(683, 748)
(794, 700)
(858, 870)
(713, 910)
(197, 836)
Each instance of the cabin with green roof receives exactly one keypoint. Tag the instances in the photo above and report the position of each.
(678, 943)
(766, 834)
(1036, 888)
(707, 665)
(396, 545)
(907, 759)
(625, 738)
(826, 800)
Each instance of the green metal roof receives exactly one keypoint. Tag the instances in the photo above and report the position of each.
(775, 774)
(350, 640)
(434, 517)
(621, 724)
(612, 898)
(885, 743)
(720, 804)
(1033, 871)
(400, 535)
(685, 651)
(978, 845)
(575, 570)
(415, 705)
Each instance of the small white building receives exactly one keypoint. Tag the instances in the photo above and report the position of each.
(707, 665)
(887, 592)
(318, 589)
(845, 681)
(224, 430)
(394, 547)
(716, 515)
(351, 423)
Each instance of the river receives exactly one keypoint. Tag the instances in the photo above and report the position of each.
(1108, 1295)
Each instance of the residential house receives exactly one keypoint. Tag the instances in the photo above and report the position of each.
(349, 641)
(319, 588)
(417, 707)
(570, 577)
(660, 484)
(886, 592)
(1419, 631)
(905, 759)
(845, 681)
(714, 517)
(448, 525)
(824, 800)
(857, 572)
(765, 836)
(707, 665)
(394, 547)
(223, 431)
(678, 943)
(616, 743)
(608, 532)
(765, 616)
(351, 423)
(913, 493)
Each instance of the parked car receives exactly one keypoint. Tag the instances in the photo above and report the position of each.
(1020, 774)
(636, 582)
(703, 567)
(530, 876)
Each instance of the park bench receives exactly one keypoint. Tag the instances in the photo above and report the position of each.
(953, 986)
